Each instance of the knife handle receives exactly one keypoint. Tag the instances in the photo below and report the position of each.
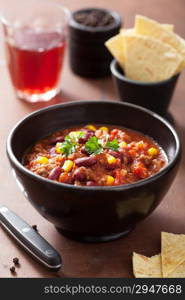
(29, 239)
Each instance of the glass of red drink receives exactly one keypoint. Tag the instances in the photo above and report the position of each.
(35, 39)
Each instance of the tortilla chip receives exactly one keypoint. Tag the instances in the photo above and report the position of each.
(145, 267)
(179, 272)
(116, 44)
(148, 59)
(169, 27)
(116, 47)
(148, 27)
(172, 253)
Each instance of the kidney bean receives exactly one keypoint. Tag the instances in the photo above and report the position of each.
(111, 166)
(91, 183)
(80, 174)
(58, 139)
(84, 139)
(115, 154)
(86, 161)
(54, 174)
(83, 150)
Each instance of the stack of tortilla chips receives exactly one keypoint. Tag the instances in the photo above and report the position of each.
(169, 264)
(149, 52)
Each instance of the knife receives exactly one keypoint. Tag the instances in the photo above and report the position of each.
(29, 239)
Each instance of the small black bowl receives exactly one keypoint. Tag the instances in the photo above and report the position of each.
(93, 213)
(154, 96)
(88, 56)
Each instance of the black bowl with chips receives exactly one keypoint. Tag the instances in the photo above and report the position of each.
(155, 96)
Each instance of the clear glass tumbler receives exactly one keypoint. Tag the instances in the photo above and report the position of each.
(35, 39)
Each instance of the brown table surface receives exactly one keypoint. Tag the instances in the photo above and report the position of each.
(111, 259)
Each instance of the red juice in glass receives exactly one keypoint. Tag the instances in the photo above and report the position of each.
(35, 60)
(35, 38)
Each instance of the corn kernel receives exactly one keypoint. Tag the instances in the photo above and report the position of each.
(109, 180)
(123, 144)
(111, 159)
(105, 129)
(67, 166)
(42, 160)
(153, 151)
(58, 145)
(91, 127)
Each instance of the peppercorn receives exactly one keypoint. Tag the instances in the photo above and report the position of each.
(16, 261)
(12, 269)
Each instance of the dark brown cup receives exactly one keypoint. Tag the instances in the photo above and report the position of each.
(88, 56)
(154, 96)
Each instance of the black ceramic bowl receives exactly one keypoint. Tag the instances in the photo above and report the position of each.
(93, 213)
(154, 96)
(88, 56)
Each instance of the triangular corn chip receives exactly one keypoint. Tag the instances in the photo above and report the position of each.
(169, 27)
(172, 252)
(148, 27)
(179, 272)
(116, 44)
(145, 267)
(116, 47)
(148, 59)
